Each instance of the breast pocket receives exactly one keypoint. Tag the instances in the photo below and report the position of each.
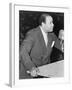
(52, 44)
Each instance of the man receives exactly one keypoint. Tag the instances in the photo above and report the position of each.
(37, 47)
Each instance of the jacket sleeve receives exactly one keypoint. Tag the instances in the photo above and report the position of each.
(25, 51)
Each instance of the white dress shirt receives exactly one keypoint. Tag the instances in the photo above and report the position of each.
(45, 36)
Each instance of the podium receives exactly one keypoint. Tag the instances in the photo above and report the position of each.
(55, 69)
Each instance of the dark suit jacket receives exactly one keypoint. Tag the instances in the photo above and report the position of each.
(34, 53)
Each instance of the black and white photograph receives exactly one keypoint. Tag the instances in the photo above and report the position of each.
(39, 44)
(36, 44)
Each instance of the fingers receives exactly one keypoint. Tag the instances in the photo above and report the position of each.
(34, 72)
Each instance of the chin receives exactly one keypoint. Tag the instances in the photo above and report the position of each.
(52, 30)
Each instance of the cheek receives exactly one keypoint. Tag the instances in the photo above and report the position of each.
(49, 26)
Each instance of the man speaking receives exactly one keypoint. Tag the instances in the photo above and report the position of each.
(37, 46)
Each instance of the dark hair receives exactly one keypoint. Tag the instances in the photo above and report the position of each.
(43, 18)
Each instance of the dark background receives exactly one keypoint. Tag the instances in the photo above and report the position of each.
(30, 19)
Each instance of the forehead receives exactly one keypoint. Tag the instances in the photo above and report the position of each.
(49, 19)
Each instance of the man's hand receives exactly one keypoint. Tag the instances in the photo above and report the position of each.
(34, 72)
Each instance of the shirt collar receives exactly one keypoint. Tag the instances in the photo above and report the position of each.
(44, 33)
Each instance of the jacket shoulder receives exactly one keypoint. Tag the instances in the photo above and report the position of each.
(33, 32)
